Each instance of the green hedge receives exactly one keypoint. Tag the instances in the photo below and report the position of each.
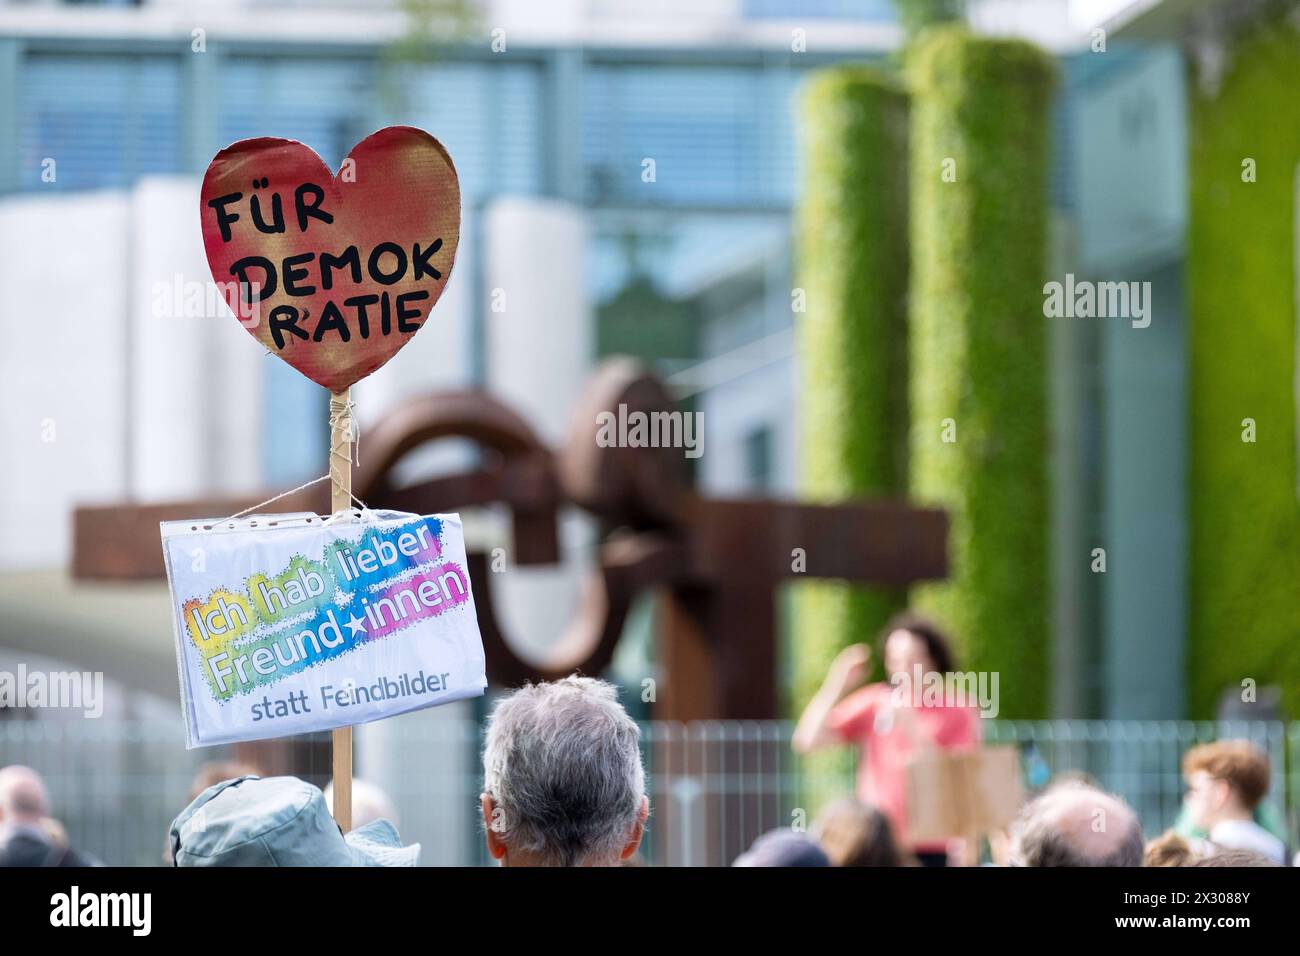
(852, 266)
(1241, 269)
(915, 15)
(979, 347)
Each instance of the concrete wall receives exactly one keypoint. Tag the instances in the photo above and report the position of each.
(538, 355)
(120, 379)
(195, 375)
(63, 285)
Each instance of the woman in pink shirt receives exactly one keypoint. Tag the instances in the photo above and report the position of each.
(887, 720)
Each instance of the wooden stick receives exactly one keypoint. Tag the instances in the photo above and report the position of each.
(340, 498)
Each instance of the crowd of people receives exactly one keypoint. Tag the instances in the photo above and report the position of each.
(564, 785)
(1072, 821)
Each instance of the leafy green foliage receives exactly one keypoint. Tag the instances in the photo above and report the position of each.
(852, 268)
(980, 161)
(1241, 273)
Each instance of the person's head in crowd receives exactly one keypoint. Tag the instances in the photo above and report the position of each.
(783, 847)
(1226, 780)
(1168, 849)
(1224, 856)
(369, 803)
(29, 835)
(23, 797)
(215, 771)
(855, 834)
(910, 640)
(563, 783)
(1076, 825)
(209, 774)
(279, 821)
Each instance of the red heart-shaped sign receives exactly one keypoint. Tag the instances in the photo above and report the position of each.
(333, 274)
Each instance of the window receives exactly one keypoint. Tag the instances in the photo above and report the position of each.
(717, 135)
(103, 120)
(323, 104)
(489, 116)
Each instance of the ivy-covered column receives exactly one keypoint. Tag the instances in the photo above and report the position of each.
(980, 142)
(851, 320)
(1244, 479)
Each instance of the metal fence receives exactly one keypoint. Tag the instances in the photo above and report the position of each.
(714, 786)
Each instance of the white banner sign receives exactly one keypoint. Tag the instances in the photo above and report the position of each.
(287, 624)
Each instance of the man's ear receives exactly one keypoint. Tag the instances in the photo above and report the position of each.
(1223, 793)
(638, 831)
(491, 812)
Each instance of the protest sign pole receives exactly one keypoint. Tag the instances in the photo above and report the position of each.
(340, 498)
(407, 166)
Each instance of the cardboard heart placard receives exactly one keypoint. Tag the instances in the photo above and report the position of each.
(333, 274)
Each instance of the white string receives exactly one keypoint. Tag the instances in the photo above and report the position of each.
(340, 418)
(285, 494)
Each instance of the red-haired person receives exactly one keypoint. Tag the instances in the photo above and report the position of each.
(1226, 781)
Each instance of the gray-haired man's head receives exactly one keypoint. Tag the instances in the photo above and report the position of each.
(23, 798)
(1073, 824)
(563, 782)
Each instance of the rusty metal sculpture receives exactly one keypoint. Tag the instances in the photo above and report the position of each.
(713, 564)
